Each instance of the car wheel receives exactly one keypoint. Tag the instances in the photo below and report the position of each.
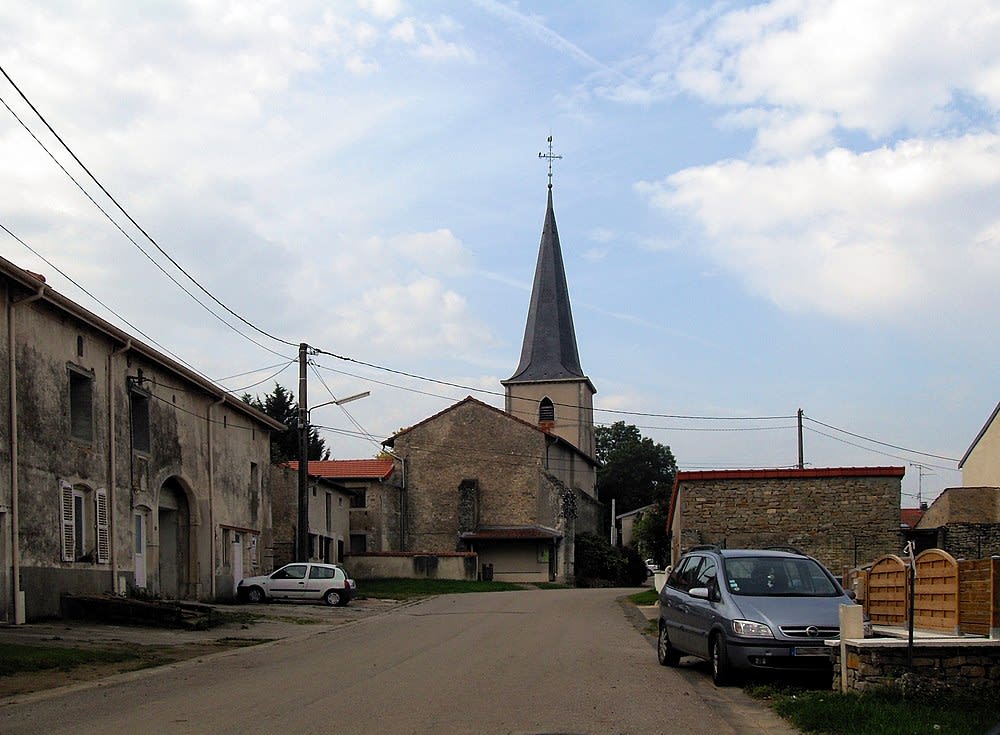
(722, 674)
(255, 594)
(666, 654)
(332, 598)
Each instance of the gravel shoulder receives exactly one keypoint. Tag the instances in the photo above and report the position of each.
(247, 625)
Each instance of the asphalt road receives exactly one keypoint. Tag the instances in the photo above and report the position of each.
(545, 661)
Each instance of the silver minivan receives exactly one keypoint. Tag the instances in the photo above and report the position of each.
(746, 610)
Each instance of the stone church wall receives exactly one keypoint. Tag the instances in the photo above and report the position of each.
(470, 442)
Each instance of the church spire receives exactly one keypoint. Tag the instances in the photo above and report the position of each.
(549, 388)
(549, 350)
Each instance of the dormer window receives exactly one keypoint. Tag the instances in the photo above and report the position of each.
(546, 411)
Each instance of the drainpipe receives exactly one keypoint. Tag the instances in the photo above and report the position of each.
(15, 535)
(112, 469)
(211, 497)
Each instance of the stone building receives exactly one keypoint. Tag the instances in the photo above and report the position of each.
(515, 486)
(329, 516)
(964, 521)
(842, 516)
(374, 486)
(122, 470)
(479, 479)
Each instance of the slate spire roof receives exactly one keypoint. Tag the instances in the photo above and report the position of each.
(549, 350)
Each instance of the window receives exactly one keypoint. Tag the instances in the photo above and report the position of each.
(546, 411)
(329, 511)
(85, 524)
(359, 543)
(358, 499)
(322, 573)
(81, 404)
(292, 571)
(140, 421)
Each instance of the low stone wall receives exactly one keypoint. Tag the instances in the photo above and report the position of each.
(404, 565)
(939, 666)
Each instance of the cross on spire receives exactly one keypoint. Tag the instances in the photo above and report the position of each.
(551, 156)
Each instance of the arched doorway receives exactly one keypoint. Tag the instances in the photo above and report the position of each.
(174, 527)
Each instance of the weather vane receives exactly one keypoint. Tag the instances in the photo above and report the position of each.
(551, 156)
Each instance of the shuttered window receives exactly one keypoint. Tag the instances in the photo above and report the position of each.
(103, 526)
(85, 524)
(68, 521)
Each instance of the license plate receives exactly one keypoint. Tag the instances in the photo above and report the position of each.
(811, 651)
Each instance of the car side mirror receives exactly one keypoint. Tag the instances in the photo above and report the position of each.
(852, 594)
(700, 592)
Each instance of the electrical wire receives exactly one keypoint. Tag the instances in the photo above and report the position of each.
(111, 311)
(876, 441)
(127, 236)
(869, 449)
(128, 216)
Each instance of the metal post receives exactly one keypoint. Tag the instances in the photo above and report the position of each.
(801, 456)
(302, 528)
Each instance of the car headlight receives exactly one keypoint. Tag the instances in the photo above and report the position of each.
(750, 629)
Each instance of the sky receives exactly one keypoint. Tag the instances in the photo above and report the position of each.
(763, 207)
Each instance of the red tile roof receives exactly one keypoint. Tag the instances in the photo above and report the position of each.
(910, 517)
(349, 469)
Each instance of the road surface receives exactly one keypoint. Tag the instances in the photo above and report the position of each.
(535, 661)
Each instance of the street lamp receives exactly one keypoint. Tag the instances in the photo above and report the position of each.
(302, 535)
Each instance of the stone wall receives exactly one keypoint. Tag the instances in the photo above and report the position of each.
(970, 540)
(388, 565)
(938, 666)
(841, 517)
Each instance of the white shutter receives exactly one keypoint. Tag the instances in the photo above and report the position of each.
(67, 520)
(103, 532)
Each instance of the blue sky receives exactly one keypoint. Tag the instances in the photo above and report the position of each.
(762, 206)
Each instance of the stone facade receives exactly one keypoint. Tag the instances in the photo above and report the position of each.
(843, 517)
(124, 471)
(473, 469)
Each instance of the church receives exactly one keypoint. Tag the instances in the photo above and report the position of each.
(514, 486)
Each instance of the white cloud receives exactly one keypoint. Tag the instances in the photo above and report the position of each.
(884, 233)
(873, 67)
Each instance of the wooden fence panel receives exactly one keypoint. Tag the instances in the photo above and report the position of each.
(975, 595)
(885, 601)
(935, 605)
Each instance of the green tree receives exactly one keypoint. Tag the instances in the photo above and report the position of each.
(650, 534)
(280, 404)
(635, 471)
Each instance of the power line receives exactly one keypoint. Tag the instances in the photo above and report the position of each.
(111, 311)
(127, 215)
(874, 451)
(127, 236)
(884, 444)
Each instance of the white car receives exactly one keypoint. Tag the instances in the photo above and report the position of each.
(300, 581)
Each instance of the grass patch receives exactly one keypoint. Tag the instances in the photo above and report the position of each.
(17, 658)
(883, 712)
(646, 597)
(551, 586)
(407, 589)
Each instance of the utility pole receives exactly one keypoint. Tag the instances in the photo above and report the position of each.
(302, 528)
(802, 463)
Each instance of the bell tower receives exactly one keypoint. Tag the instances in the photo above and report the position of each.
(549, 388)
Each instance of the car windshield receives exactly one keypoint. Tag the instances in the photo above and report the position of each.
(770, 576)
